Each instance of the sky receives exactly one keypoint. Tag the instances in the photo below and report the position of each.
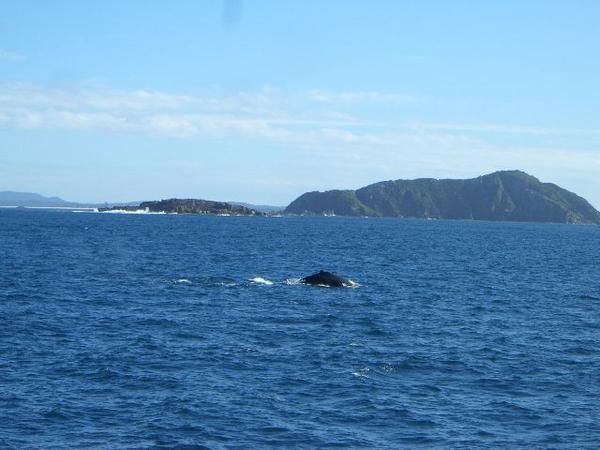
(260, 101)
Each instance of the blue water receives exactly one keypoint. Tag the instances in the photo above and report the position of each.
(120, 331)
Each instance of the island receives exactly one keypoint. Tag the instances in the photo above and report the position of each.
(500, 196)
(187, 206)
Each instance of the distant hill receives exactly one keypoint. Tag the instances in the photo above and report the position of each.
(11, 198)
(261, 208)
(505, 195)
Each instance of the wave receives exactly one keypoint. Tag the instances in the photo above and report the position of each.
(202, 282)
(215, 281)
(362, 372)
(261, 280)
(128, 211)
(352, 284)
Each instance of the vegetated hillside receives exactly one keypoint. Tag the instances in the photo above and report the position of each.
(197, 206)
(189, 206)
(505, 195)
(341, 203)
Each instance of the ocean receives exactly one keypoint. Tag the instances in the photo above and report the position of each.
(170, 331)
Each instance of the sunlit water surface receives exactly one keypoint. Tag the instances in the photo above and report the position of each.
(192, 332)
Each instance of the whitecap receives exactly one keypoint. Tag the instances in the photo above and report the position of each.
(183, 280)
(218, 281)
(261, 280)
(129, 211)
(352, 284)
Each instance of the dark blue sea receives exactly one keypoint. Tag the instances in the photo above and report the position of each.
(150, 331)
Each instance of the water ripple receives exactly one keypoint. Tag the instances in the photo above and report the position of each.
(193, 332)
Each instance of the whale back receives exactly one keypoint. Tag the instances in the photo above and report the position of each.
(325, 279)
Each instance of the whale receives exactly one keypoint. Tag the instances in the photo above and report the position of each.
(323, 278)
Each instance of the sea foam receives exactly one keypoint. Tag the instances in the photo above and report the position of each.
(261, 280)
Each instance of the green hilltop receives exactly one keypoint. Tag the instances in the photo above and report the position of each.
(504, 195)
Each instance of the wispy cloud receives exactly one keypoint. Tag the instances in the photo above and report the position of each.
(270, 115)
(11, 56)
(264, 114)
(326, 134)
(360, 97)
(503, 129)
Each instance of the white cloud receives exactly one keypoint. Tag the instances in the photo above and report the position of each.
(24, 95)
(301, 123)
(259, 115)
(502, 129)
(266, 114)
(11, 56)
(355, 97)
(346, 149)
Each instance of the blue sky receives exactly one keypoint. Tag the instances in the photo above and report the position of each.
(261, 100)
